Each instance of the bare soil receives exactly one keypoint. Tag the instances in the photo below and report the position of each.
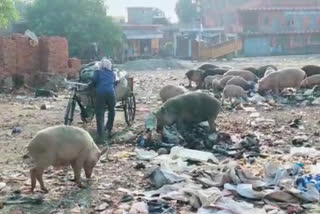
(116, 176)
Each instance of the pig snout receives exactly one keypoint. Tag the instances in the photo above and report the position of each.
(88, 172)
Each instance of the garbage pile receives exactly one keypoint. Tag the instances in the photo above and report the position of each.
(211, 186)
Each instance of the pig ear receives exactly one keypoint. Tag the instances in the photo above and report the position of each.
(104, 150)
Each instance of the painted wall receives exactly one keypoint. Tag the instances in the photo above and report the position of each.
(282, 44)
(256, 46)
(280, 21)
(290, 3)
(223, 13)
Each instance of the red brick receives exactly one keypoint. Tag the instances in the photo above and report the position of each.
(8, 55)
(74, 65)
(27, 56)
(54, 54)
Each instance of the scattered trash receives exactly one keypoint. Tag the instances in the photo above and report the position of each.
(34, 41)
(43, 107)
(296, 123)
(125, 138)
(127, 198)
(304, 152)
(258, 99)
(193, 155)
(145, 155)
(2, 185)
(139, 208)
(162, 151)
(156, 207)
(300, 140)
(151, 122)
(16, 130)
(160, 177)
(23, 199)
(102, 207)
(44, 93)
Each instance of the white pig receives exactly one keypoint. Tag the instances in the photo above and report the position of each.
(62, 146)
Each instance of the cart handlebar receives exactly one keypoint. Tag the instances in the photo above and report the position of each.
(75, 83)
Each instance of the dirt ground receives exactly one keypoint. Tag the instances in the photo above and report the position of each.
(116, 176)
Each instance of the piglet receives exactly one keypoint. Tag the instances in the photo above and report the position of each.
(311, 81)
(170, 91)
(233, 91)
(62, 146)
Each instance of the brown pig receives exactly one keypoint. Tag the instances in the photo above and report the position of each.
(311, 70)
(233, 91)
(208, 80)
(188, 109)
(215, 84)
(239, 81)
(269, 71)
(170, 91)
(285, 78)
(224, 80)
(247, 75)
(62, 146)
(311, 81)
(207, 66)
(195, 76)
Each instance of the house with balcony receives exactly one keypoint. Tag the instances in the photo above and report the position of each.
(142, 32)
(280, 28)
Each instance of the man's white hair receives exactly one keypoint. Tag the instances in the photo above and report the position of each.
(105, 63)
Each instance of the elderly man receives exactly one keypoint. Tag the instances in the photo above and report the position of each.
(104, 82)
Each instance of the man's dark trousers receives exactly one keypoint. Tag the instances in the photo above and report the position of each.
(103, 100)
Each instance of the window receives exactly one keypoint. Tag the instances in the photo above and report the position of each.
(266, 21)
(315, 39)
(290, 22)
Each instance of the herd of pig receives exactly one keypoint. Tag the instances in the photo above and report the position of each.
(235, 83)
(67, 145)
(184, 108)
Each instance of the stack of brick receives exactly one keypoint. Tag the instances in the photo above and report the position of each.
(37, 65)
(74, 66)
(54, 54)
(27, 56)
(8, 56)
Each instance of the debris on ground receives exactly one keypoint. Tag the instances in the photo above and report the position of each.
(263, 158)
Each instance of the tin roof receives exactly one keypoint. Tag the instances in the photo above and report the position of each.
(280, 9)
(143, 34)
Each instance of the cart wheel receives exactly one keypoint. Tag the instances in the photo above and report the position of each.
(88, 115)
(68, 118)
(130, 109)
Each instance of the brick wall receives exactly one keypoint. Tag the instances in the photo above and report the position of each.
(54, 54)
(8, 56)
(27, 57)
(17, 56)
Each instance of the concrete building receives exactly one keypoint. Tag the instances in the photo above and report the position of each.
(141, 34)
(280, 30)
(223, 13)
(144, 15)
(142, 40)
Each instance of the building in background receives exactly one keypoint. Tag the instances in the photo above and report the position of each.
(223, 13)
(280, 28)
(142, 40)
(142, 32)
(144, 15)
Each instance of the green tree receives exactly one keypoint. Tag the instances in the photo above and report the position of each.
(8, 12)
(186, 11)
(80, 21)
